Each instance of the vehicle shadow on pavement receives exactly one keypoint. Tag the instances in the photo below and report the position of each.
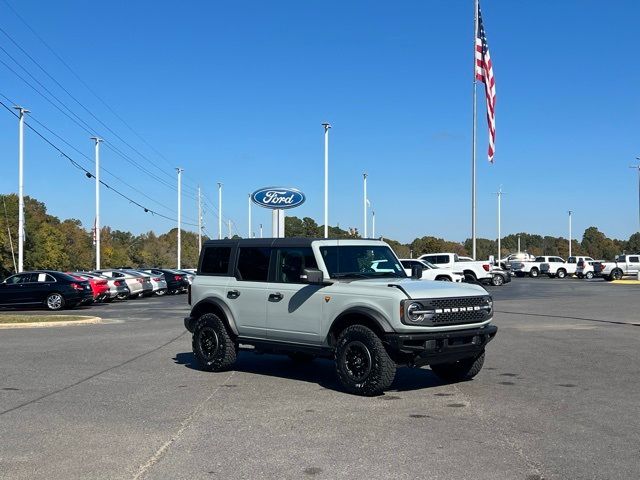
(320, 371)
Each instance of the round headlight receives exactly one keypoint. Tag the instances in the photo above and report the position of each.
(411, 312)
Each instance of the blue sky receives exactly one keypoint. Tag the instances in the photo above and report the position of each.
(236, 92)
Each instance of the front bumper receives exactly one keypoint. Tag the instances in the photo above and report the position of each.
(439, 347)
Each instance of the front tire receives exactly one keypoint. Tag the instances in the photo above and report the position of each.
(534, 273)
(54, 301)
(497, 280)
(212, 345)
(363, 365)
(588, 275)
(561, 273)
(464, 369)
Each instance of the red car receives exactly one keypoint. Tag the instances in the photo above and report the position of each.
(99, 286)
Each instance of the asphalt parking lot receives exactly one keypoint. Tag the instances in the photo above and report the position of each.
(558, 398)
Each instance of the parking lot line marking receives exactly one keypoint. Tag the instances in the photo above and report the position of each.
(186, 423)
(92, 376)
(569, 318)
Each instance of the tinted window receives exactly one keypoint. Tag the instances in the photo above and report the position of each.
(571, 260)
(360, 261)
(15, 279)
(253, 264)
(634, 259)
(444, 259)
(430, 258)
(216, 260)
(291, 263)
(406, 264)
(540, 259)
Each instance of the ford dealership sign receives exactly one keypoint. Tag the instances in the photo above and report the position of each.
(278, 197)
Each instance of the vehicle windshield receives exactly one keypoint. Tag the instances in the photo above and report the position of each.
(361, 261)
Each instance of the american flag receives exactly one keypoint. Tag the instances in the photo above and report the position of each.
(484, 73)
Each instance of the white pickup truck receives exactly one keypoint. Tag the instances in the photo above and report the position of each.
(623, 266)
(473, 271)
(561, 270)
(533, 269)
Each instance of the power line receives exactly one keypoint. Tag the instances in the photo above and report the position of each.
(89, 174)
(75, 74)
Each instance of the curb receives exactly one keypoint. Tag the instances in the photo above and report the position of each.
(626, 282)
(84, 321)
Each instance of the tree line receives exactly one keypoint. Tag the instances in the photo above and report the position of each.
(66, 245)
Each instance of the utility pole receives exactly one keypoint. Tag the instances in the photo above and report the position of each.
(570, 212)
(199, 220)
(21, 112)
(219, 211)
(97, 141)
(260, 230)
(326, 179)
(499, 194)
(179, 170)
(473, 135)
(364, 176)
(637, 167)
(250, 216)
(229, 226)
(518, 243)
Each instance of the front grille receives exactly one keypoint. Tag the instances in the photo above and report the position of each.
(456, 311)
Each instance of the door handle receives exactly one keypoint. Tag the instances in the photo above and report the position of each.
(275, 297)
(233, 294)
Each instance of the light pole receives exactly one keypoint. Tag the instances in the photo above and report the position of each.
(179, 170)
(499, 194)
(570, 213)
(199, 220)
(326, 179)
(21, 112)
(250, 216)
(229, 227)
(373, 223)
(364, 204)
(260, 230)
(97, 141)
(518, 243)
(637, 167)
(219, 211)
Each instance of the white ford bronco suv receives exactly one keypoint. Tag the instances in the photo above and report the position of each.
(321, 298)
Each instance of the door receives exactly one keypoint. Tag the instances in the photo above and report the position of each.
(40, 286)
(12, 290)
(634, 264)
(294, 308)
(247, 291)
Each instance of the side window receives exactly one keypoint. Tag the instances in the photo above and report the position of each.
(572, 260)
(253, 264)
(291, 263)
(442, 259)
(634, 259)
(215, 260)
(431, 258)
(29, 278)
(15, 279)
(406, 264)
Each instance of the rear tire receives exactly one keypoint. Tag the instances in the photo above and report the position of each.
(54, 301)
(534, 273)
(212, 345)
(588, 275)
(464, 369)
(616, 274)
(363, 365)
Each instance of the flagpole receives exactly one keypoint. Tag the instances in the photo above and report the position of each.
(473, 136)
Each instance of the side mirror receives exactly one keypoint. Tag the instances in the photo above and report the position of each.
(416, 272)
(312, 276)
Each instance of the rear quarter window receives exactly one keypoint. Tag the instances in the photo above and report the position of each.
(215, 261)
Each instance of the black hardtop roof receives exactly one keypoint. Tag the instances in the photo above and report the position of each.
(264, 242)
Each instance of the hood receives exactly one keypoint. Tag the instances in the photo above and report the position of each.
(428, 288)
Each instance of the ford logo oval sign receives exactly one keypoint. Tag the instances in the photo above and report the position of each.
(278, 197)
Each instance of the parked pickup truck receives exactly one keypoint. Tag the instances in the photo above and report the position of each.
(532, 269)
(561, 270)
(472, 270)
(623, 266)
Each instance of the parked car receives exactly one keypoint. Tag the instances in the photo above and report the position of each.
(623, 266)
(158, 282)
(189, 274)
(311, 298)
(134, 282)
(472, 270)
(561, 270)
(499, 276)
(430, 271)
(118, 289)
(520, 269)
(174, 280)
(99, 286)
(585, 269)
(48, 288)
